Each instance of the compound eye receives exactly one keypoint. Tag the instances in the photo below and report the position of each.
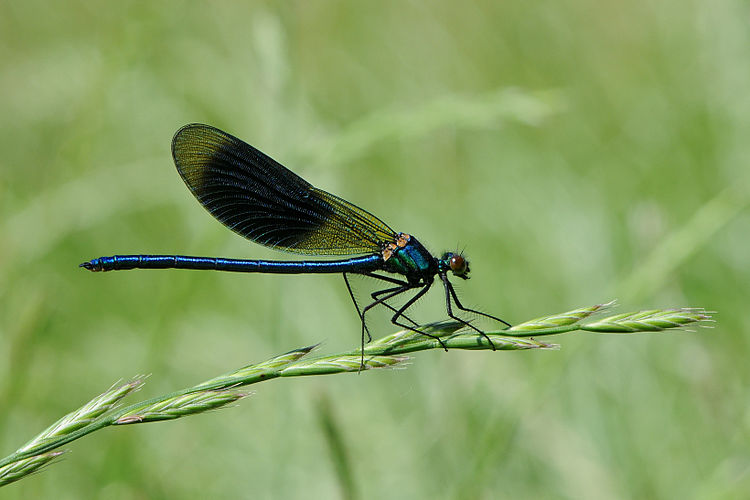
(458, 265)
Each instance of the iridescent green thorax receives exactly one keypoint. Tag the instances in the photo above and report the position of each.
(407, 256)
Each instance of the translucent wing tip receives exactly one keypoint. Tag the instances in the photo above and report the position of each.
(187, 134)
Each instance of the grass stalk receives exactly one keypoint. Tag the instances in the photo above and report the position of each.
(105, 410)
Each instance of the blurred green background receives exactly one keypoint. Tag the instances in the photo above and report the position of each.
(579, 150)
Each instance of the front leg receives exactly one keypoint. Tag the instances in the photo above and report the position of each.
(449, 286)
(450, 292)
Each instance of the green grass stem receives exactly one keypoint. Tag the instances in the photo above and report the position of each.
(104, 411)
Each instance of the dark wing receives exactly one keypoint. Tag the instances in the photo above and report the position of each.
(260, 199)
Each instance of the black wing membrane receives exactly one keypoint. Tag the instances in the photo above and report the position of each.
(260, 199)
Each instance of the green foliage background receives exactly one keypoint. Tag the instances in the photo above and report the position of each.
(579, 150)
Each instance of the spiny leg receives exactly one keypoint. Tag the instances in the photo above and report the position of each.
(409, 303)
(460, 306)
(375, 295)
(449, 292)
(387, 294)
(359, 313)
(388, 279)
(377, 300)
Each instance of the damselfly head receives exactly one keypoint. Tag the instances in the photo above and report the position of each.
(457, 263)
